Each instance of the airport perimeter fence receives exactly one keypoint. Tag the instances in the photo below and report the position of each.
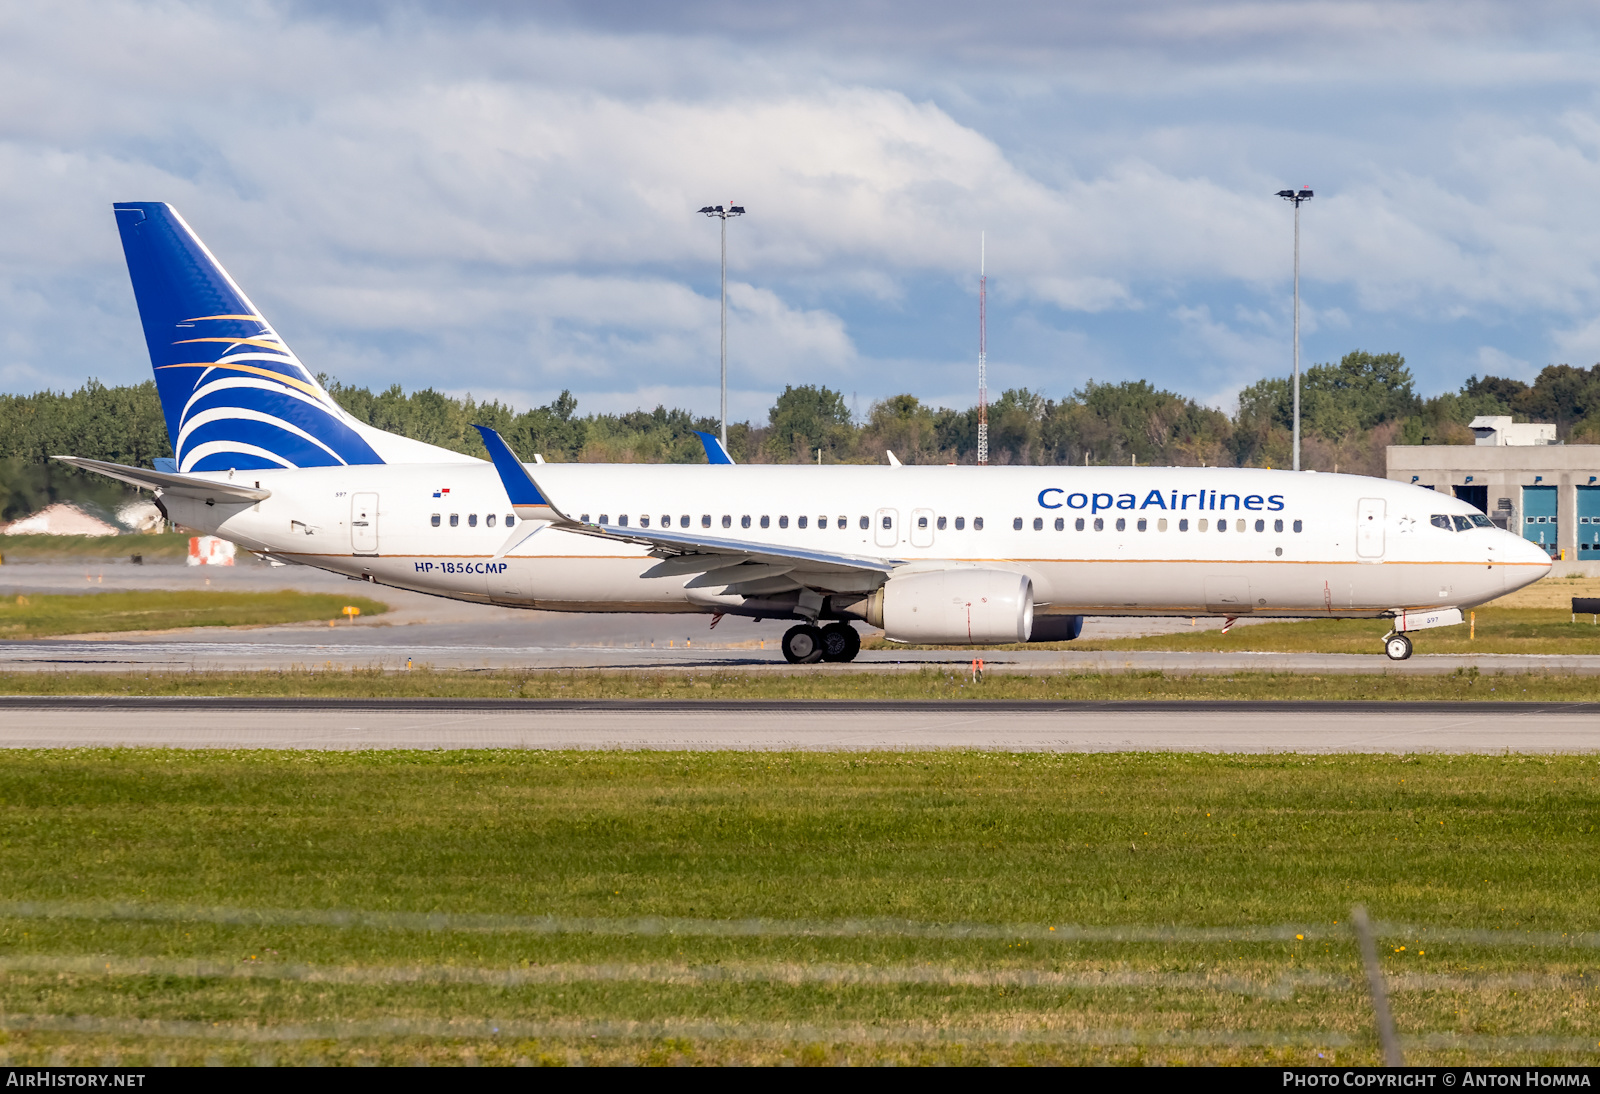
(1374, 985)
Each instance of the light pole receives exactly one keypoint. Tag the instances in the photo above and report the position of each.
(1297, 197)
(723, 214)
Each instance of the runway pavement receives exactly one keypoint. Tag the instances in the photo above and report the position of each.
(808, 726)
(448, 634)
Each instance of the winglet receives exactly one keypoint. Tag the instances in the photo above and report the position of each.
(715, 453)
(526, 497)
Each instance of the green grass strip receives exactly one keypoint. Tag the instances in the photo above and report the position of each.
(43, 616)
(943, 683)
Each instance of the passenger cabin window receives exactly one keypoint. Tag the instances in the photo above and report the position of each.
(705, 520)
(744, 521)
(1222, 525)
(622, 521)
(1161, 524)
(1439, 520)
(844, 522)
(1277, 526)
(1261, 526)
(1183, 525)
(582, 519)
(1143, 524)
(766, 522)
(644, 520)
(1099, 524)
(922, 522)
(822, 523)
(434, 520)
(940, 523)
(683, 521)
(977, 524)
(488, 521)
(799, 522)
(888, 522)
(1061, 524)
(866, 522)
(1297, 525)
(783, 522)
(1016, 524)
(511, 520)
(605, 518)
(455, 520)
(727, 521)
(1122, 524)
(1078, 524)
(1202, 525)
(961, 523)
(472, 520)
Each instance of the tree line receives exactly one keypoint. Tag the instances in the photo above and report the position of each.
(1350, 410)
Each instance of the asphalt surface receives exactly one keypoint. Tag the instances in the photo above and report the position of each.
(427, 631)
(808, 726)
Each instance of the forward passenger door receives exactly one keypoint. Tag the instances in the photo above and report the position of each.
(1369, 528)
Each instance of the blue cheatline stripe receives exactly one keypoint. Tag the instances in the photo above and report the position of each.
(715, 453)
(518, 483)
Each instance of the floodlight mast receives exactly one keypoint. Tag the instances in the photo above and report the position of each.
(1302, 195)
(722, 214)
(983, 351)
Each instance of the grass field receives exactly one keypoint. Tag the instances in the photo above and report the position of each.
(40, 616)
(945, 907)
(163, 545)
(929, 683)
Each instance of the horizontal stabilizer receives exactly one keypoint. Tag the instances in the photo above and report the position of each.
(183, 486)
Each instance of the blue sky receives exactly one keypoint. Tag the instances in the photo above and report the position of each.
(499, 198)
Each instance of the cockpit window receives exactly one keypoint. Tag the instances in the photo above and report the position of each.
(1439, 520)
(1481, 521)
(1463, 524)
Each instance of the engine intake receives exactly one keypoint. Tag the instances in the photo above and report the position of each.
(954, 607)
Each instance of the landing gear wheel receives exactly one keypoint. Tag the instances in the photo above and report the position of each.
(840, 642)
(1397, 646)
(803, 645)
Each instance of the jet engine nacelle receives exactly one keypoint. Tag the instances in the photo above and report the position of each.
(954, 607)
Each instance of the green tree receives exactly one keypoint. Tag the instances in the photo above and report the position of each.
(805, 419)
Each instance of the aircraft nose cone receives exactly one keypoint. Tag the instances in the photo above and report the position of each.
(1527, 553)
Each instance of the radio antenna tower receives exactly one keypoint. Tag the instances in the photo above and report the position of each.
(983, 351)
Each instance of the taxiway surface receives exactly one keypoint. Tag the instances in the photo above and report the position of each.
(1309, 727)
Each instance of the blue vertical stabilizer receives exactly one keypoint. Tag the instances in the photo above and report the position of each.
(234, 394)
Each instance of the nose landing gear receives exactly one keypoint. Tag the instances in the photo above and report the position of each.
(1397, 646)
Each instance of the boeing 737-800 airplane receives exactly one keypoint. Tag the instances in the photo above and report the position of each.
(263, 456)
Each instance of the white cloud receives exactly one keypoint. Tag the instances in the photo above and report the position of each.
(427, 193)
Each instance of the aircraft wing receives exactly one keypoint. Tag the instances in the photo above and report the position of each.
(167, 482)
(744, 565)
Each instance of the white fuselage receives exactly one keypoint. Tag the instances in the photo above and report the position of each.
(1292, 544)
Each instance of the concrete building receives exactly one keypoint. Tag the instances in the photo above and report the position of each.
(1526, 483)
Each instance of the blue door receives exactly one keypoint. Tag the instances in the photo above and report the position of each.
(1539, 516)
(1589, 522)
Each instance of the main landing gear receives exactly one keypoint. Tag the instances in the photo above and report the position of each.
(807, 644)
(1397, 646)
